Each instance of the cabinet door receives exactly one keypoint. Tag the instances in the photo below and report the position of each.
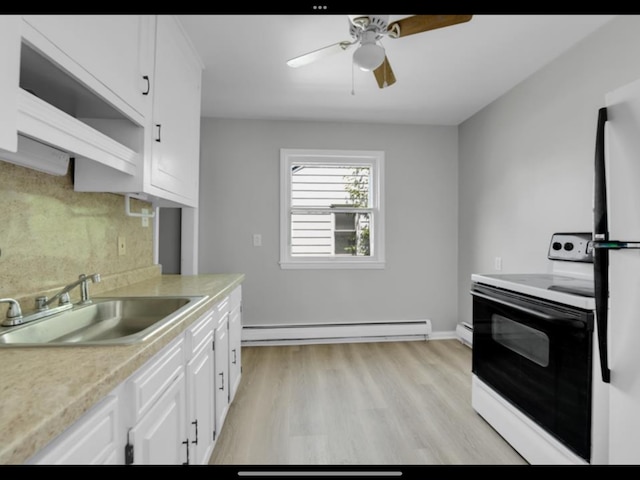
(111, 48)
(92, 440)
(221, 381)
(160, 437)
(176, 114)
(235, 352)
(200, 378)
(9, 80)
(149, 383)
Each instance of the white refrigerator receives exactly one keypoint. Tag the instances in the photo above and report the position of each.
(616, 208)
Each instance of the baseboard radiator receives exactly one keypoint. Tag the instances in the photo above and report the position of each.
(299, 334)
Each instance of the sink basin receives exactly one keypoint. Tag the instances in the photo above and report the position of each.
(106, 321)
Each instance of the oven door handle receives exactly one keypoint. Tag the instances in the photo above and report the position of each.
(526, 310)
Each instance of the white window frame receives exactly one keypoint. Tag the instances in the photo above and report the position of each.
(372, 158)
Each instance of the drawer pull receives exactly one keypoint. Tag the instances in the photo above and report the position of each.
(195, 442)
(186, 444)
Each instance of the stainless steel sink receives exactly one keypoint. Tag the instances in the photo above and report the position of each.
(106, 321)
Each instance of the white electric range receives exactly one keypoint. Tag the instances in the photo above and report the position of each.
(534, 357)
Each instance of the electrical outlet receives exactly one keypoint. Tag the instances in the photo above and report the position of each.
(497, 263)
(122, 246)
(145, 220)
(257, 240)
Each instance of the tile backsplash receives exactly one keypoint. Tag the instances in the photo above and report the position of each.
(49, 233)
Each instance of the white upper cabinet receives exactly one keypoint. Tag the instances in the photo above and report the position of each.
(64, 74)
(110, 53)
(168, 174)
(9, 77)
(176, 114)
(119, 93)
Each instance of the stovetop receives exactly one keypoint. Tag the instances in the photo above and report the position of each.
(565, 289)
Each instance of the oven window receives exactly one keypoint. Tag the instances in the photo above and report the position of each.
(521, 339)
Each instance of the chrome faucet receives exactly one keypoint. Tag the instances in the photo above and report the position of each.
(14, 314)
(63, 295)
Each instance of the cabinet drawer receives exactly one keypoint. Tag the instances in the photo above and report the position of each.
(145, 387)
(200, 332)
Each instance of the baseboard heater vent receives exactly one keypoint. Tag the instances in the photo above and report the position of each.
(298, 334)
(464, 331)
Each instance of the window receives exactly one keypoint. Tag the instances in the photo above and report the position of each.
(331, 209)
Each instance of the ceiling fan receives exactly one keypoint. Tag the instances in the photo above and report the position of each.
(367, 30)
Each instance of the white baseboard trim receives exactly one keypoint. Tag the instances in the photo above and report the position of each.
(447, 335)
(301, 334)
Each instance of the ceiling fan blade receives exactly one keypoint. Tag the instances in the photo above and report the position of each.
(384, 75)
(423, 23)
(311, 57)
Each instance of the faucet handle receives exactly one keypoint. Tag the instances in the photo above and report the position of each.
(41, 303)
(64, 299)
(14, 310)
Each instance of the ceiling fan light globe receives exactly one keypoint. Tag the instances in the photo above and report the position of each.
(369, 56)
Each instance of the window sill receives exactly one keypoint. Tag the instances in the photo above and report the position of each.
(310, 265)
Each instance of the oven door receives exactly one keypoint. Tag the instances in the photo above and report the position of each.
(537, 355)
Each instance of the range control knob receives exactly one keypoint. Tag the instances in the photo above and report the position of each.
(568, 246)
(556, 245)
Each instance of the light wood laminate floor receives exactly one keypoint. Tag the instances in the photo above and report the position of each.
(395, 403)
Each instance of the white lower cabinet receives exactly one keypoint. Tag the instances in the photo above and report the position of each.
(200, 379)
(156, 395)
(160, 437)
(95, 440)
(235, 351)
(171, 410)
(221, 346)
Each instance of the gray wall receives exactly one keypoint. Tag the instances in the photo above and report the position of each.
(526, 160)
(239, 196)
(169, 239)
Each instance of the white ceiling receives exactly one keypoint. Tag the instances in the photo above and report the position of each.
(443, 76)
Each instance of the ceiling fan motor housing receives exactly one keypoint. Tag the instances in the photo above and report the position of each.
(371, 23)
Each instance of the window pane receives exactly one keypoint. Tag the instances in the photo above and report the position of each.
(329, 186)
(330, 234)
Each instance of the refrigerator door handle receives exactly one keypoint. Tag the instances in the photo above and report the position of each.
(615, 245)
(601, 245)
